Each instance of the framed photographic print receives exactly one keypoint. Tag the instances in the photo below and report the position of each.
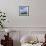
(23, 10)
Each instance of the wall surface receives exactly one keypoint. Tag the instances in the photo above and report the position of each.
(36, 18)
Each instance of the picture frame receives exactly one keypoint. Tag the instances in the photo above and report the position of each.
(23, 10)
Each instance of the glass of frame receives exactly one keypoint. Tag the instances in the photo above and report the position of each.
(23, 10)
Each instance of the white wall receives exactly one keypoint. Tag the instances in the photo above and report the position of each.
(36, 18)
(39, 13)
